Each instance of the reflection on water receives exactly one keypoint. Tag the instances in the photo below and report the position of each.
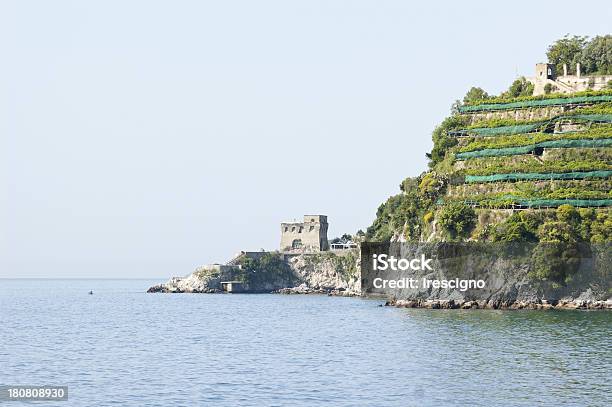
(130, 348)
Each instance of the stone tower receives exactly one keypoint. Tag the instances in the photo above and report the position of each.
(309, 235)
(545, 71)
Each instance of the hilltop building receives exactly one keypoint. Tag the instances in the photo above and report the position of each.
(309, 235)
(566, 83)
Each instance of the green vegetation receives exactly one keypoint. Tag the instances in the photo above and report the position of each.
(457, 219)
(492, 200)
(444, 141)
(500, 165)
(561, 234)
(475, 95)
(566, 50)
(603, 131)
(520, 87)
(562, 237)
(549, 88)
(405, 213)
(576, 167)
(600, 108)
(556, 153)
(593, 55)
(345, 265)
(510, 201)
(270, 267)
(565, 224)
(556, 261)
(535, 176)
(519, 227)
(503, 100)
(501, 123)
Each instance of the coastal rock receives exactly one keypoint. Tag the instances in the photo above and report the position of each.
(305, 273)
(509, 281)
(328, 271)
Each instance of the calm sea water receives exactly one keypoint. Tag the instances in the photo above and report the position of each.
(124, 347)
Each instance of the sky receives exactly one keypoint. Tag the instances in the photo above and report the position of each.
(140, 139)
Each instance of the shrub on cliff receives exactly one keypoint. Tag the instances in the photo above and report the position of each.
(556, 262)
(269, 267)
(404, 213)
(568, 214)
(457, 219)
(557, 257)
(595, 227)
(520, 227)
(442, 140)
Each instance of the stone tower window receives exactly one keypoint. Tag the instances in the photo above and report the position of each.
(296, 244)
(286, 229)
(311, 229)
(300, 230)
(293, 229)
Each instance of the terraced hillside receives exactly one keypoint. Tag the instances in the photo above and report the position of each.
(535, 163)
(519, 169)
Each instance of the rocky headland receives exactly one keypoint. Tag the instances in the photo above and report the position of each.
(305, 273)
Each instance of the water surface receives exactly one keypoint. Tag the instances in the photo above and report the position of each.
(124, 347)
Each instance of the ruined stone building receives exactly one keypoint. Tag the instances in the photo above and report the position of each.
(566, 83)
(309, 235)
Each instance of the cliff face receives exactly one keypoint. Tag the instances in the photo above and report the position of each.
(327, 271)
(324, 272)
(508, 274)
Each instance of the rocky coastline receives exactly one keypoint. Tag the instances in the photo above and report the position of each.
(569, 304)
(304, 289)
(307, 273)
(508, 283)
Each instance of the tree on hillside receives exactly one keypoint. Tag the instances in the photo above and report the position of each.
(596, 57)
(567, 50)
(520, 87)
(475, 94)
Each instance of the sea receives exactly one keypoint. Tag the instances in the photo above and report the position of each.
(121, 346)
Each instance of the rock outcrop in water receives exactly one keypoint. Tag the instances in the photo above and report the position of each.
(324, 272)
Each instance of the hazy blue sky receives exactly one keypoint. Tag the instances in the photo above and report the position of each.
(142, 138)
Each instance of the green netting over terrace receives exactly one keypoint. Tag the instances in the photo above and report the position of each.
(598, 117)
(535, 103)
(563, 143)
(531, 127)
(548, 203)
(585, 203)
(501, 130)
(537, 176)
